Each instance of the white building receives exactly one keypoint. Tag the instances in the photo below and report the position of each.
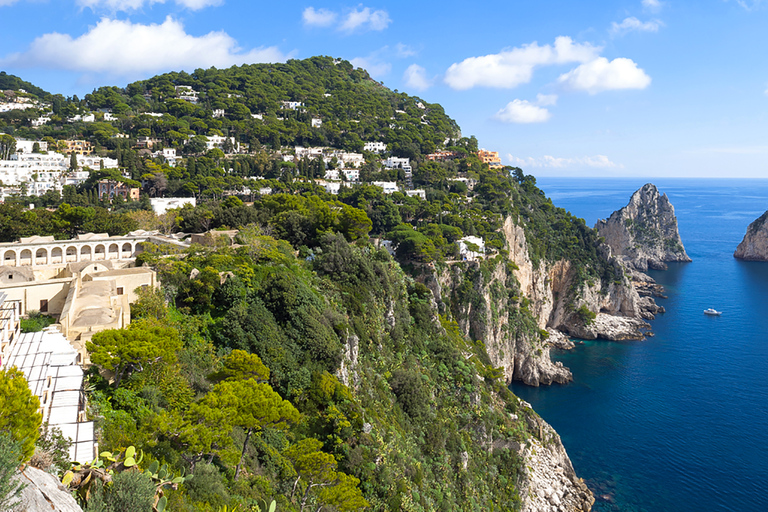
(394, 162)
(27, 146)
(87, 118)
(350, 159)
(47, 171)
(351, 174)
(389, 187)
(40, 121)
(218, 112)
(291, 105)
(419, 192)
(160, 205)
(316, 122)
(375, 147)
(217, 141)
(109, 116)
(471, 254)
(332, 174)
(187, 93)
(310, 153)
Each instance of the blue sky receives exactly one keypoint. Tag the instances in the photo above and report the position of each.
(559, 88)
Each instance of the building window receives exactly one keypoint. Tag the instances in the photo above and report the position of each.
(119, 290)
(10, 276)
(44, 305)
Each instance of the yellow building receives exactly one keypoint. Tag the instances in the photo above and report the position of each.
(491, 158)
(79, 147)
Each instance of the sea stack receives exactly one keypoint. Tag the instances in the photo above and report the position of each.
(644, 233)
(754, 246)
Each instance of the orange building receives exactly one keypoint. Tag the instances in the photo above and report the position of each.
(79, 147)
(491, 158)
(443, 156)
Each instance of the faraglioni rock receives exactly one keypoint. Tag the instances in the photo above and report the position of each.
(754, 246)
(644, 233)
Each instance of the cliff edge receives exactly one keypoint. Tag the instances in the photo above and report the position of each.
(644, 233)
(754, 246)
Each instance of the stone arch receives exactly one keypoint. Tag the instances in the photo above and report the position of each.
(25, 258)
(71, 254)
(57, 255)
(41, 256)
(85, 253)
(127, 250)
(114, 252)
(9, 258)
(99, 252)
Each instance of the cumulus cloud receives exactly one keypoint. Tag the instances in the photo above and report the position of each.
(132, 5)
(652, 5)
(359, 19)
(524, 112)
(551, 162)
(515, 66)
(122, 48)
(365, 19)
(415, 77)
(405, 51)
(604, 75)
(633, 24)
(318, 17)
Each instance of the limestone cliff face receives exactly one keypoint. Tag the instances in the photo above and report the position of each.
(754, 246)
(550, 482)
(644, 233)
(508, 304)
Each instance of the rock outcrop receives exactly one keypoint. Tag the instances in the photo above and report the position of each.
(549, 482)
(644, 233)
(43, 493)
(754, 246)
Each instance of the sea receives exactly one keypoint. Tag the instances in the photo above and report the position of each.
(677, 422)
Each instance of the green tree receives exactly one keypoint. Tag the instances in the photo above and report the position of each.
(240, 365)
(10, 455)
(123, 351)
(252, 406)
(7, 146)
(19, 416)
(316, 474)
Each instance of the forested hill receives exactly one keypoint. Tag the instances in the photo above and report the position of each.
(261, 104)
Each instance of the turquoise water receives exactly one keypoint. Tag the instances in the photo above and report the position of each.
(678, 422)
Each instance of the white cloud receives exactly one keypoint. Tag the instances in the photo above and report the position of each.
(318, 17)
(546, 99)
(512, 67)
(415, 77)
(404, 51)
(652, 5)
(633, 24)
(522, 111)
(551, 162)
(7, 2)
(132, 5)
(373, 64)
(603, 75)
(365, 19)
(750, 6)
(121, 48)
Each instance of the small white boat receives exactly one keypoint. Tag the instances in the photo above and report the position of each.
(713, 312)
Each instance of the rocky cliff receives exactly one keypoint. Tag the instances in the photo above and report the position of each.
(754, 246)
(519, 309)
(644, 233)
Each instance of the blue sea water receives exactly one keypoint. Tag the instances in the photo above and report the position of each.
(678, 422)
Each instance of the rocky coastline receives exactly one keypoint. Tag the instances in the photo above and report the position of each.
(754, 245)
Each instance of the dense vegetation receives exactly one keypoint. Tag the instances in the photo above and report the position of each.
(298, 362)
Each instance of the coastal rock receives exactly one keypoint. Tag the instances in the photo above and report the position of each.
(754, 246)
(644, 233)
(612, 328)
(549, 481)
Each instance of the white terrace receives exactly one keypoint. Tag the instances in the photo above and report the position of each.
(45, 250)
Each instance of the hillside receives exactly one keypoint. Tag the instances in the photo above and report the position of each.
(380, 321)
